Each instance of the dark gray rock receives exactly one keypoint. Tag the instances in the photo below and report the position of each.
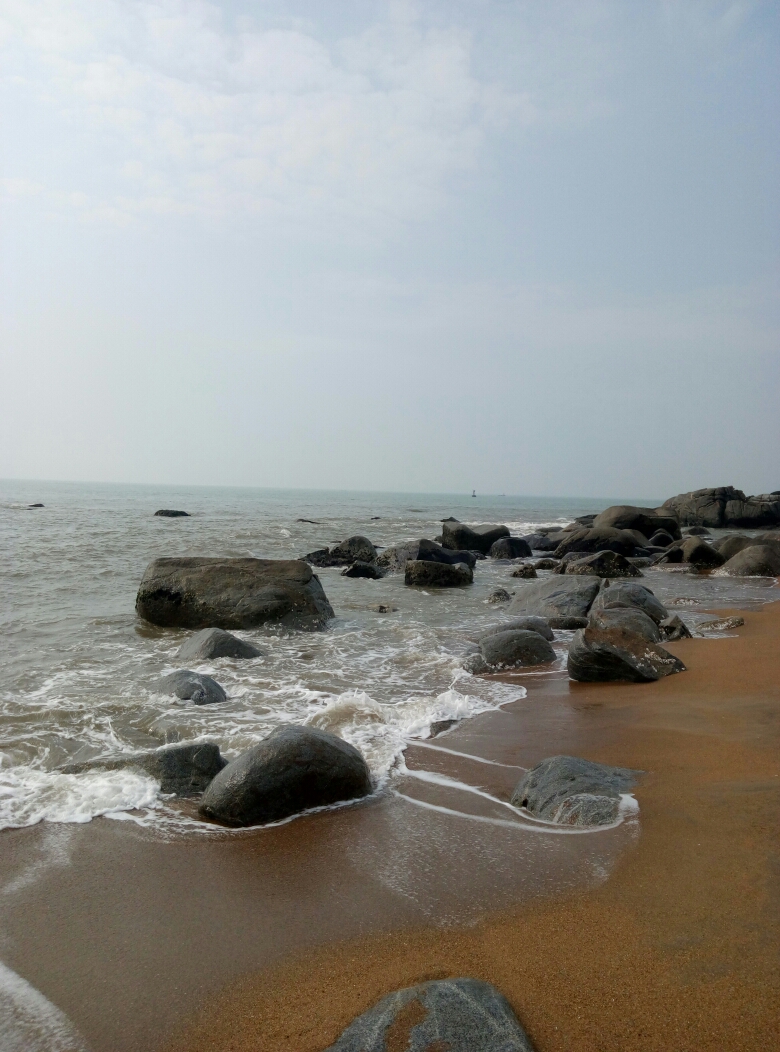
(546, 564)
(426, 574)
(479, 539)
(569, 624)
(661, 539)
(596, 540)
(514, 648)
(696, 531)
(499, 596)
(724, 506)
(171, 513)
(394, 560)
(184, 770)
(526, 570)
(674, 627)
(759, 560)
(39, 505)
(212, 643)
(192, 686)
(627, 593)
(700, 554)
(292, 770)
(598, 655)
(628, 618)
(353, 549)
(361, 569)
(456, 1015)
(433, 552)
(521, 624)
(645, 520)
(544, 542)
(510, 548)
(574, 792)
(232, 593)
(556, 596)
(603, 564)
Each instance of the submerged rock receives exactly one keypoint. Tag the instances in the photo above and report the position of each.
(722, 624)
(556, 597)
(292, 770)
(192, 686)
(599, 655)
(171, 513)
(232, 593)
(456, 1015)
(211, 643)
(526, 570)
(361, 569)
(574, 792)
(394, 560)
(426, 574)
(499, 596)
(184, 770)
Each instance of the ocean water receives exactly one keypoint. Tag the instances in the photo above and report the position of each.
(80, 668)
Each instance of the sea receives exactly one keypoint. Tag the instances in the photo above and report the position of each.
(80, 669)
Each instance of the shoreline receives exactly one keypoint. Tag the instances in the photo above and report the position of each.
(677, 949)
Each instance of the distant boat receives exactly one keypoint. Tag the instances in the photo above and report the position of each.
(473, 493)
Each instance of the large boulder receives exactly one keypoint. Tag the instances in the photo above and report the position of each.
(510, 548)
(724, 506)
(479, 539)
(544, 542)
(759, 560)
(515, 647)
(427, 574)
(574, 792)
(629, 619)
(555, 597)
(232, 593)
(601, 564)
(353, 549)
(459, 1015)
(521, 624)
(598, 655)
(732, 543)
(292, 770)
(700, 554)
(394, 560)
(184, 770)
(192, 686)
(435, 553)
(629, 594)
(600, 539)
(212, 643)
(645, 520)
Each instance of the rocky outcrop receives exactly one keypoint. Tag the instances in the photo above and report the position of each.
(515, 648)
(629, 594)
(479, 539)
(602, 539)
(599, 655)
(360, 569)
(601, 564)
(759, 560)
(232, 593)
(510, 548)
(192, 686)
(629, 619)
(426, 574)
(574, 792)
(184, 770)
(725, 506)
(556, 597)
(456, 1015)
(353, 549)
(212, 643)
(521, 624)
(292, 770)
(171, 513)
(646, 521)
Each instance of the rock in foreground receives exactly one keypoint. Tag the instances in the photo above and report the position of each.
(629, 594)
(292, 770)
(185, 770)
(515, 648)
(212, 643)
(574, 792)
(759, 560)
(427, 574)
(456, 1015)
(600, 655)
(192, 686)
(556, 597)
(232, 593)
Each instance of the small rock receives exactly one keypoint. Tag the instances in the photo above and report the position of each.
(499, 596)
(575, 792)
(674, 628)
(526, 570)
(661, 539)
(722, 624)
(510, 548)
(212, 643)
(427, 574)
(362, 569)
(603, 564)
(384, 608)
(171, 513)
(37, 506)
(546, 564)
(514, 648)
(191, 686)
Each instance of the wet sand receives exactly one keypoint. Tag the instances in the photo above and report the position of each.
(677, 950)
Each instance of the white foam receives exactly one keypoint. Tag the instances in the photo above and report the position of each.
(29, 1022)
(465, 755)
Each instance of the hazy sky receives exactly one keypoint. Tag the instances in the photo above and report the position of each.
(527, 247)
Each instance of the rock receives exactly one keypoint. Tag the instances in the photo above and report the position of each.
(628, 594)
(428, 574)
(722, 624)
(697, 531)
(661, 539)
(384, 608)
(456, 1015)
(526, 570)
(191, 686)
(513, 648)
(211, 643)
(499, 596)
(698, 553)
(556, 597)
(353, 549)
(674, 627)
(640, 562)
(171, 513)
(574, 792)
(394, 560)
(312, 522)
(597, 540)
(481, 539)
(232, 593)
(544, 542)
(440, 726)
(603, 564)
(521, 624)
(361, 569)
(646, 521)
(725, 506)
(184, 770)
(436, 553)
(598, 655)
(546, 564)
(759, 560)
(39, 506)
(628, 618)
(732, 543)
(510, 548)
(673, 554)
(569, 624)
(292, 770)
(585, 520)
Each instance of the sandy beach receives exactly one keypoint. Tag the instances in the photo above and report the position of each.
(676, 950)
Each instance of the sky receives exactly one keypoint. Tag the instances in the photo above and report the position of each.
(523, 247)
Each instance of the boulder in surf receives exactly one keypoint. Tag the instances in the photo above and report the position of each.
(575, 792)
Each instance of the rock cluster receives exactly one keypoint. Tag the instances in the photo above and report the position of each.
(725, 506)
